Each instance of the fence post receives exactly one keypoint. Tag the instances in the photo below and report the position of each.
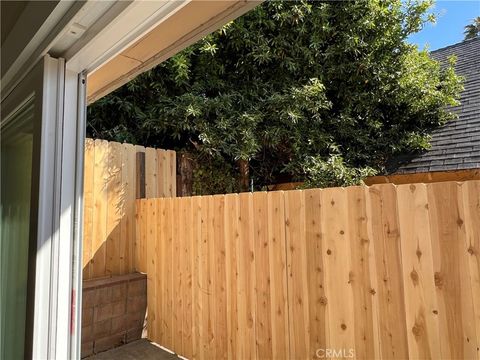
(184, 174)
(140, 175)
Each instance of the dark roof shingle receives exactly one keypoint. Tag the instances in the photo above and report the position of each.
(455, 145)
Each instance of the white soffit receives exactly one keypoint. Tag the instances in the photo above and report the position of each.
(81, 25)
(188, 24)
(116, 30)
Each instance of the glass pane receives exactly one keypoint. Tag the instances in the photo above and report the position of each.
(16, 176)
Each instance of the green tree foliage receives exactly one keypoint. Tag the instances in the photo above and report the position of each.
(322, 92)
(472, 30)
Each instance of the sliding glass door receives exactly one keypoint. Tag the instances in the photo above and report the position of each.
(16, 181)
(31, 151)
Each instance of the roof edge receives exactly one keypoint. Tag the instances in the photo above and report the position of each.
(463, 42)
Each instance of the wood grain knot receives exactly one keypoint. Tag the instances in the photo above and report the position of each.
(438, 279)
(329, 252)
(344, 327)
(417, 330)
(372, 291)
(351, 277)
(414, 277)
(323, 300)
(471, 250)
(419, 254)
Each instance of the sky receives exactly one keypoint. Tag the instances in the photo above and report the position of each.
(452, 16)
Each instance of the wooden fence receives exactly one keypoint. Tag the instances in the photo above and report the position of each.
(389, 272)
(115, 175)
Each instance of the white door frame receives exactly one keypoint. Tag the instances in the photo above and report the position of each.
(46, 269)
(46, 82)
(72, 198)
(54, 294)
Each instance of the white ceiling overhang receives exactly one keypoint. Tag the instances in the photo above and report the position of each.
(114, 41)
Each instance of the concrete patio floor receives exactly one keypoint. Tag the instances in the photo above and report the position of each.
(137, 350)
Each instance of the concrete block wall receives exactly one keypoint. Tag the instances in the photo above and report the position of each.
(113, 312)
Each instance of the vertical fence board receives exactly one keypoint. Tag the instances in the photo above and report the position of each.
(142, 238)
(172, 174)
(373, 274)
(471, 203)
(360, 245)
(151, 173)
(241, 243)
(389, 291)
(158, 274)
(278, 281)
(263, 327)
(246, 278)
(196, 291)
(161, 171)
(100, 209)
(207, 313)
(338, 285)
(151, 257)
(220, 290)
(210, 279)
(418, 280)
(138, 234)
(179, 241)
(129, 195)
(315, 247)
(114, 247)
(88, 207)
(231, 238)
(299, 330)
(177, 235)
(187, 265)
(166, 171)
(167, 273)
(451, 268)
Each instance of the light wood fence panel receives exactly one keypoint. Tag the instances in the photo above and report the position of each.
(387, 272)
(110, 244)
